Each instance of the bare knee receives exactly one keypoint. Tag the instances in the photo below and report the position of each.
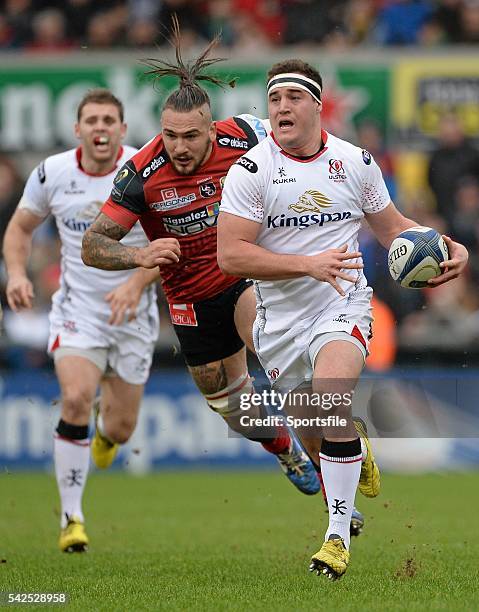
(121, 430)
(76, 405)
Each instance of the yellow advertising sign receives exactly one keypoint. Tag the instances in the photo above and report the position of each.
(424, 89)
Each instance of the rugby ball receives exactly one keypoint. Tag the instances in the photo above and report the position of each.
(414, 257)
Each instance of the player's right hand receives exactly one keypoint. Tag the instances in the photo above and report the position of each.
(19, 292)
(160, 252)
(329, 266)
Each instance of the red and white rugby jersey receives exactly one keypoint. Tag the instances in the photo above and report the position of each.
(184, 207)
(305, 206)
(59, 186)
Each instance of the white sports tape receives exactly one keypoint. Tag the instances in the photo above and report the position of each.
(226, 402)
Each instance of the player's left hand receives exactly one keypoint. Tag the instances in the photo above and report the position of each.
(456, 263)
(124, 301)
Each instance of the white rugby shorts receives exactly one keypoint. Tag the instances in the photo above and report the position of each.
(288, 356)
(125, 350)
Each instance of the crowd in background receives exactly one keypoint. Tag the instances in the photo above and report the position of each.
(443, 321)
(247, 25)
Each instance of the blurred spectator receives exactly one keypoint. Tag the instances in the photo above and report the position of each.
(470, 21)
(452, 308)
(249, 37)
(103, 32)
(221, 19)
(10, 193)
(193, 24)
(453, 159)
(432, 33)
(370, 138)
(360, 16)
(266, 14)
(401, 21)
(143, 10)
(18, 15)
(447, 14)
(143, 33)
(7, 34)
(312, 21)
(465, 221)
(49, 32)
(78, 14)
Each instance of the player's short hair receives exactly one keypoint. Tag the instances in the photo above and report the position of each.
(189, 94)
(100, 96)
(298, 66)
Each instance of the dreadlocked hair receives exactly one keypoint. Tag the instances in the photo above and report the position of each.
(189, 95)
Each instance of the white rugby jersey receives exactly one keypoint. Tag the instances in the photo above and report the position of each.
(61, 187)
(305, 207)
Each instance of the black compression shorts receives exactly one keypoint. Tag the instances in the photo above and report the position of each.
(206, 329)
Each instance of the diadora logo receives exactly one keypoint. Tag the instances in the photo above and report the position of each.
(341, 318)
(235, 143)
(311, 201)
(336, 171)
(273, 374)
(172, 200)
(193, 222)
(155, 163)
(283, 178)
(207, 190)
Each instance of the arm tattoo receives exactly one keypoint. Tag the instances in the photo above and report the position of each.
(101, 246)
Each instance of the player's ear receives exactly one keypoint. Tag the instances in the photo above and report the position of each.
(212, 131)
(320, 107)
(124, 127)
(77, 130)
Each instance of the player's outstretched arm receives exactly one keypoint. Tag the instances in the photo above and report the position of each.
(125, 298)
(17, 245)
(101, 248)
(239, 255)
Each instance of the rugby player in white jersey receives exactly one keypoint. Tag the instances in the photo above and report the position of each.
(289, 218)
(103, 324)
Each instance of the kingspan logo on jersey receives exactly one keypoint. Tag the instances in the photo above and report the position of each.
(311, 201)
(194, 222)
(84, 218)
(234, 143)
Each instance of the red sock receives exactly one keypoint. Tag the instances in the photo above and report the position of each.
(280, 443)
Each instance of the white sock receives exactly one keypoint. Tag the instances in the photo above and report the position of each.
(340, 477)
(72, 458)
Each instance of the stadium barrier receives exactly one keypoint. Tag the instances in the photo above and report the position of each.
(176, 429)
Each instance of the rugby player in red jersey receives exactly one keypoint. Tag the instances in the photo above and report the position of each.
(173, 187)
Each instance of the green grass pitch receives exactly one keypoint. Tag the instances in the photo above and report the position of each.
(242, 541)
